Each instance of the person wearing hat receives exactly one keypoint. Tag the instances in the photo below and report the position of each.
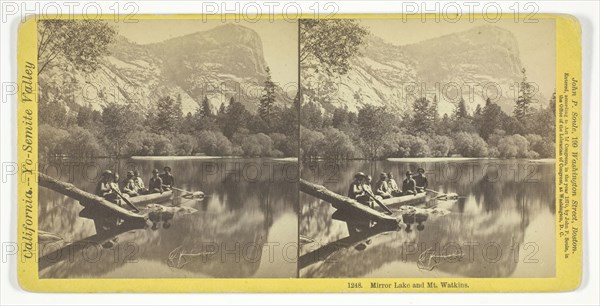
(408, 185)
(421, 180)
(393, 186)
(381, 187)
(356, 190)
(104, 187)
(129, 186)
(167, 178)
(155, 185)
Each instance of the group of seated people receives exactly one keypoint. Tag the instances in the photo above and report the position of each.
(361, 188)
(111, 188)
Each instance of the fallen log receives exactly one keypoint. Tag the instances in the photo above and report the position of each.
(348, 205)
(89, 200)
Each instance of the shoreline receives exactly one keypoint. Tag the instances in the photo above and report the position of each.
(208, 157)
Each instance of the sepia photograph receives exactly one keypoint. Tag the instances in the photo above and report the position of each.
(168, 148)
(427, 149)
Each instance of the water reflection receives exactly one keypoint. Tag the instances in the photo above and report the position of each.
(488, 233)
(239, 230)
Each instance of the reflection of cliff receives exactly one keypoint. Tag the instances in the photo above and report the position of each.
(232, 224)
(496, 212)
(447, 238)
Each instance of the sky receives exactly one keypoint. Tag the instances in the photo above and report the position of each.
(279, 37)
(536, 41)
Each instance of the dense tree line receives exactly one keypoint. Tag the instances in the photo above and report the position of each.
(374, 132)
(127, 129)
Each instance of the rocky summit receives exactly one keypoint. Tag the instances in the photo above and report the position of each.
(482, 62)
(224, 62)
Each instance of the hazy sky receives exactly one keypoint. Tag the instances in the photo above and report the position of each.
(280, 39)
(536, 41)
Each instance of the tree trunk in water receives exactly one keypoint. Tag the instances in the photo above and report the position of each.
(354, 208)
(89, 200)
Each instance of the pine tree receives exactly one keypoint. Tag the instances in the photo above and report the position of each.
(492, 118)
(552, 103)
(236, 117)
(433, 110)
(461, 110)
(267, 100)
(523, 103)
(205, 108)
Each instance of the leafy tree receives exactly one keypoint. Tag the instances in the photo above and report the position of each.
(83, 143)
(336, 144)
(374, 124)
(81, 42)
(440, 146)
(184, 144)
(311, 116)
(89, 118)
(214, 143)
(168, 115)
(423, 117)
(470, 145)
(118, 123)
(310, 142)
(331, 43)
(515, 146)
(410, 146)
(52, 113)
(51, 140)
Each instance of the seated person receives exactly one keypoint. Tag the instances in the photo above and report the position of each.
(382, 188)
(104, 188)
(130, 187)
(167, 179)
(408, 185)
(393, 186)
(155, 185)
(421, 180)
(356, 190)
(139, 183)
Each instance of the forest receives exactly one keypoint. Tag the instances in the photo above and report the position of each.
(375, 133)
(128, 130)
(160, 129)
(277, 129)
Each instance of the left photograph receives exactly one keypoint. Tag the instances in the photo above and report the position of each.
(168, 148)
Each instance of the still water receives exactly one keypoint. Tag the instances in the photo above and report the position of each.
(503, 224)
(246, 227)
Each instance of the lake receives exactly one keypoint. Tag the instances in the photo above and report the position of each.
(502, 225)
(245, 227)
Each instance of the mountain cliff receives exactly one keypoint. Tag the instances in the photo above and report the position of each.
(219, 63)
(475, 64)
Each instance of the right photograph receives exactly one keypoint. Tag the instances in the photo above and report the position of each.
(427, 148)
